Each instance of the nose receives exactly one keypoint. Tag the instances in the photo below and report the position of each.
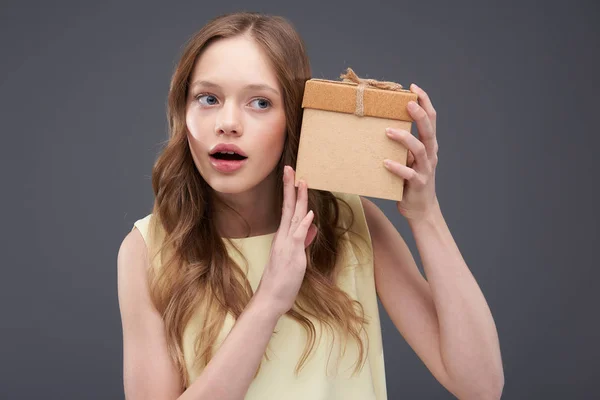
(228, 120)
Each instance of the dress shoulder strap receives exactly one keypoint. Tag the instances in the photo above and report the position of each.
(143, 226)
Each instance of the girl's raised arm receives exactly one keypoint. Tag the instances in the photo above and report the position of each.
(148, 371)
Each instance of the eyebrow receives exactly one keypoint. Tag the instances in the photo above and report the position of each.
(252, 86)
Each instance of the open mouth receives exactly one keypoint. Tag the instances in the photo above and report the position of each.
(228, 156)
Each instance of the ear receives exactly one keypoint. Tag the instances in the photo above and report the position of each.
(310, 235)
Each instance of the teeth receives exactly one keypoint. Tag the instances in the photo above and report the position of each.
(228, 153)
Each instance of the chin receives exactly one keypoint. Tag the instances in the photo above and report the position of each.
(230, 185)
(239, 182)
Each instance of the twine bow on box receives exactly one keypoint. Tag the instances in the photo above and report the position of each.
(351, 77)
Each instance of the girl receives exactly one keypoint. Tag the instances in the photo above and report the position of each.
(235, 264)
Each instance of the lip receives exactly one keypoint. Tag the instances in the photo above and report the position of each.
(227, 147)
(227, 166)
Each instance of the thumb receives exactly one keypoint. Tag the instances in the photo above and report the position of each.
(310, 235)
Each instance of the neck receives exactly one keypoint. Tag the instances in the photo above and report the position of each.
(257, 207)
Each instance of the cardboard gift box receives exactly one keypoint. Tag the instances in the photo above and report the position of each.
(343, 141)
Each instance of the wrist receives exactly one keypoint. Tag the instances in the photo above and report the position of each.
(263, 309)
(427, 217)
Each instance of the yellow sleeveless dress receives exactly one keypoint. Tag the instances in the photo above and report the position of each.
(326, 374)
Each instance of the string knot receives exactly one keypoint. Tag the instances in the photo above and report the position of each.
(351, 77)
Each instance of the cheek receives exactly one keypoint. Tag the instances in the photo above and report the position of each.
(277, 133)
(199, 130)
(198, 133)
(196, 127)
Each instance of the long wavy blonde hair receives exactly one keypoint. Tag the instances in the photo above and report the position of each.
(195, 268)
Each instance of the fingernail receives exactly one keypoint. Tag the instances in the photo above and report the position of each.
(389, 131)
(412, 106)
(387, 163)
(415, 86)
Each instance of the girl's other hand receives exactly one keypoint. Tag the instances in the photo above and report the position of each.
(284, 272)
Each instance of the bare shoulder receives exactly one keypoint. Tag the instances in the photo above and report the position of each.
(132, 267)
(376, 219)
(132, 262)
(145, 351)
(367, 204)
(132, 252)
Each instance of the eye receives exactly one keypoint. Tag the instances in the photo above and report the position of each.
(206, 99)
(262, 103)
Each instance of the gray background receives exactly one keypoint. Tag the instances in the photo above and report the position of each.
(83, 94)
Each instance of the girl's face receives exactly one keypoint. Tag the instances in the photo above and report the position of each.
(234, 98)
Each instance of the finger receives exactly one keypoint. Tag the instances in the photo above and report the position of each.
(402, 171)
(426, 103)
(310, 235)
(301, 231)
(426, 131)
(414, 145)
(301, 206)
(410, 159)
(289, 199)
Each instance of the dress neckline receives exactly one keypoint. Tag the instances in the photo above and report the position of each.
(257, 237)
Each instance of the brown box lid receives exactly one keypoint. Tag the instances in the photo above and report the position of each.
(340, 96)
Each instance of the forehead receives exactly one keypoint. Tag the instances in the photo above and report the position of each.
(234, 61)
